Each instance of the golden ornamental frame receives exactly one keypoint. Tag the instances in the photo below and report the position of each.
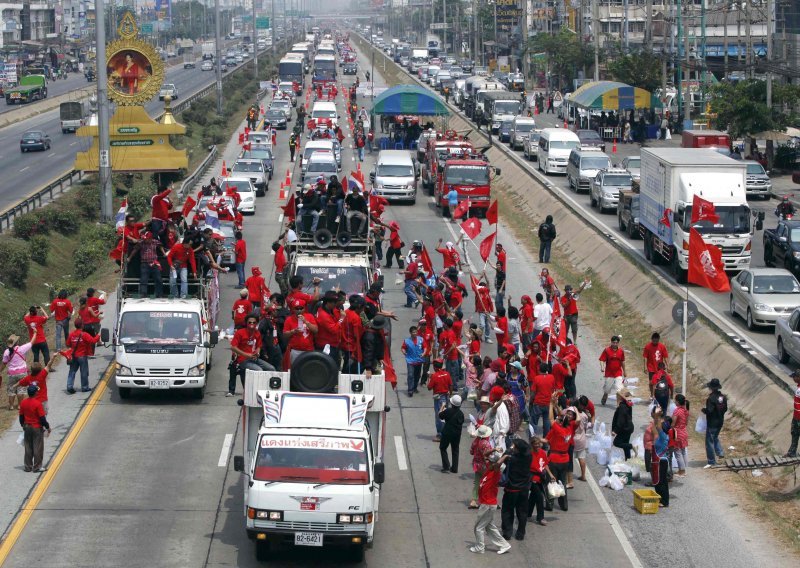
(135, 70)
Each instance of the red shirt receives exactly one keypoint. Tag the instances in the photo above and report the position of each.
(35, 325)
(447, 340)
(475, 347)
(256, 288)
(394, 239)
(570, 305)
(61, 309)
(183, 255)
(329, 332)
(241, 308)
(93, 302)
(456, 298)
(532, 365)
(659, 375)
(438, 303)
(560, 438)
(654, 354)
(241, 251)
(412, 271)
(543, 386)
(352, 328)
(458, 329)
(487, 490)
(501, 260)
(440, 382)
(161, 205)
(430, 317)
(81, 343)
(796, 415)
(427, 343)
(539, 461)
(613, 360)
(40, 380)
(571, 354)
(247, 342)
(450, 257)
(502, 324)
(300, 341)
(280, 259)
(32, 412)
(526, 318)
(483, 300)
(298, 295)
(560, 372)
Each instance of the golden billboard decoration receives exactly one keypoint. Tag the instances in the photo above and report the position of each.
(135, 71)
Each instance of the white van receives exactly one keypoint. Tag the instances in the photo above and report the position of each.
(584, 164)
(325, 109)
(394, 176)
(555, 145)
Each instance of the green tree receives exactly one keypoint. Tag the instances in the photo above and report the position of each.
(565, 53)
(639, 69)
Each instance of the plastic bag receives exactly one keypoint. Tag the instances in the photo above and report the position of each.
(602, 429)
(21, 438)
(671, 408)
(616, 483)
(602, 457)
(594, 447)
(555, 490)
(638, 443)
(616, 456)
(603, 482)
(399, 280)
(636, 473)
(651, 407)
(674, 462)
(606, 442)
(700, 425)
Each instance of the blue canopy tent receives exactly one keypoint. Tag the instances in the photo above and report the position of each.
(409, 99)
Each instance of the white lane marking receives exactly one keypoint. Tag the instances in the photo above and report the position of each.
(73, 143)
(401, 453)
(51, 154)
(612, 520)
(25, 168)
(226, 449)
(280, 218)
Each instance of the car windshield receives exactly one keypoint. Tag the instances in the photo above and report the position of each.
(506, 107)
(563, 145)
(634, 163)
(159, 327)
(240, 186)
(394, 170)
(589, 136)
(595, 163)
(279, 103)
(247, 167)
(732, 219)
(32, 135)
(755, 169)
(350, 279)
(617, 180)
(506, 125)
(525, 127)
(327, 167)
(275, 114)
(776, 284)
(323, 114)
(307, 459)
(477, 175)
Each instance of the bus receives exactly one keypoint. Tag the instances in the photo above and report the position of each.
(291, 69)
(326, 48)
(324, 68)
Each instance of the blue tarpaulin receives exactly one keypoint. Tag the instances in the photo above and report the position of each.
(409, 99)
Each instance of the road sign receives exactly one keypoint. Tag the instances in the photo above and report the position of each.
(691, 313)
(147, 29)
(262, 23)
(440, 26)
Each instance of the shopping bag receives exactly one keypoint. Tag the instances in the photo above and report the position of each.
(700, 426)
(555, 490)
(615, 483)
(668, 135)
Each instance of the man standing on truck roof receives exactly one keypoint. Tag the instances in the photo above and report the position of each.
(299, 330)
(246, 346)
(161, 206)
(352, 328)
(329, 326)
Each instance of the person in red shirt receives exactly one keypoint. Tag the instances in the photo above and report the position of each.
(533, 359)
(543, 386)
(428, 313)
(81, 344)
(241, 308)
(329, 330)
(299, 331)
(501, 257)
(653, 353)
(33, 419)
(560, 438)
(240, 250)
(487, 504)
(61, 309)
(280, 267)
(246, 346)
(352, 328)
(474, 337)
(662, 388)
(539, 467)
(448, 349)
(526, 321)
(38, 378)
(410, 276)
(569, 304)
(441, 384)
(439, 303)
(296, 284)
(91, 319)
(501, 328)
(561, 372)
(570, 355)
(612, 364)
(181, 259)
(426, 332)
(256, 287)
(34, 321)
(450, 256)
(395, 246)
(586, 406)
(161, 207)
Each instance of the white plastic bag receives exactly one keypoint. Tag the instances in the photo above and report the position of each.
(555, 490)
(602, 429)
(638, 443)
(617, 456)
(21, 438)
(603, 481)
(671, 408)
(674, 462)
(606, 442)
(668, 135)
(602, 457)
(399, 280)
(615, 483)
(700, 426)
(651, 407)
(594, 447)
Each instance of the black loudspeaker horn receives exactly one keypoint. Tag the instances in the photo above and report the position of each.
(343, 239)
(323, 238)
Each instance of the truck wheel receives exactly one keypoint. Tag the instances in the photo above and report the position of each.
(783, 356)
(262, 550)
(592, 200)
(648, 252)
(124, 392)
(632, 232)
(198, 394)
(356, 553)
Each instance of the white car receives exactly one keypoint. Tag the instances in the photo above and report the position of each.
(207, 65)
(168, 90)
(763, 295)
(246, 190)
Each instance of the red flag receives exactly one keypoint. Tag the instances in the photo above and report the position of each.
(491, 213)
(486, 246)
(705, 264)
(556, 307)
(703, 210)
(461, 209)
(188, 205)
(665, 218)
(425, 258)
(473, 282)
(472, 227)
(289, 209)
(389, 374)
(558, 331)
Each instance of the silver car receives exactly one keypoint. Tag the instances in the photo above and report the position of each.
(633, 165)
(284, 105)
(757, 182)
(530, 146)
(762, 295)
(606, 187)
(255, 170)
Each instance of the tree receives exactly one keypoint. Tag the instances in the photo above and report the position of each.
(565, 54)
(639, 69)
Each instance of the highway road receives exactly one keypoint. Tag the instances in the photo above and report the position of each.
(73, 82)
(150, 482)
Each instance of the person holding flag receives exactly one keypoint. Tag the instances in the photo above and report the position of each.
(450, 256)
(119, 218)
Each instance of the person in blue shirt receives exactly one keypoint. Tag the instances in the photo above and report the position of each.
(412, 350)
(452, 200)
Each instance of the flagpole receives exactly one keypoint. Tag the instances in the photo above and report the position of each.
(684, 338)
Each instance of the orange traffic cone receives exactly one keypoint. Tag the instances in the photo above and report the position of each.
(565, 123)
(288, 181)
(614, 147)
(224, 169)
(282, 193)
(359, 166)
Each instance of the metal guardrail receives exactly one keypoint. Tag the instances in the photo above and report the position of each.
(191, 180)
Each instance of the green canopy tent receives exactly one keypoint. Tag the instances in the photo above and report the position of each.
(409, 99)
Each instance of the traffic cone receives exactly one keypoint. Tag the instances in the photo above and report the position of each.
(614, 147)
(288, 181)
(282, 193)
(262, 109)
(565, 123)
(359, 166)
(224, 169)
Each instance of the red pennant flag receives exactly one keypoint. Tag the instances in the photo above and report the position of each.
(188, 205)
(665, 218)
(703, 210)
(705, 264)
(491, 213)
(486, 246)
(472, 227)
(425, 258)
(389, 374)
(556, 307)
(289, 209)
(461, 209)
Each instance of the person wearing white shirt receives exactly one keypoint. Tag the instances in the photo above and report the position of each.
(542, 313)
(502, 422)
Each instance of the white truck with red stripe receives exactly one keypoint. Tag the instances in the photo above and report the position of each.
(313, 444)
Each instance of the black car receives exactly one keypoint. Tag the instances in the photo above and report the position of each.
(467, 65)
(277, 118)
(350, 69)
(34, 140)
(504, 133)
(591, 139)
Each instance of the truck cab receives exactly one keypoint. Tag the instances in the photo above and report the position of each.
(471, 177)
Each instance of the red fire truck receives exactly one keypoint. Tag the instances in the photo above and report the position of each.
(471, 176)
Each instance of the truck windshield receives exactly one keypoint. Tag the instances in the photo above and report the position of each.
(308, 459)
(732, 219)
(523, 127)
(159, 327)
(563, 145)
(247, 167)
(472, 175)
(350, 279)
(506, 107)
(776, 284)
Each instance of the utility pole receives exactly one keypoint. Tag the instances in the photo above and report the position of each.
(725, 11)
(749, 56)
(255, 43)
(103, 143)
(596, 38)
(218, 54)
(475, 32)
(770, 32)
(678, 65)
(272, 29)
(648, 26)
(625, 23)
(687, 103)
(444, 24)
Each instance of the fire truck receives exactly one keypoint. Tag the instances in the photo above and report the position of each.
(439, 150)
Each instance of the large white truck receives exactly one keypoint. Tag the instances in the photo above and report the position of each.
(670, 178)
(312, 458)
(209, 50)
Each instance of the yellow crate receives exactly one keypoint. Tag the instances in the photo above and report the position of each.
(646, 501)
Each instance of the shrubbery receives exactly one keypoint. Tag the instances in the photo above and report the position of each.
(39, 248)
(15, 261)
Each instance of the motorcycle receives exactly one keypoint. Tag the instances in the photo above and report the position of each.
(784, 215)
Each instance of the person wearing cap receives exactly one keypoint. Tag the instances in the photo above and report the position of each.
(715, 409)
(329, 327)
(33, 419)
(150, 250)
(412, 349)
(256, 287)
(441, 385)
(795, 428)
(14, 360)
(450, 256)
(373, 346)
(487, 504)
(453, 419)
(622, 424)
(310, 206)
(299, 330)
(481, 447)
(352, 328)
(241, 308)
(612, 365)
(81, 343)
(500, 416)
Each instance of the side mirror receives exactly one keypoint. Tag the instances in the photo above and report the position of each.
(372, 177)
(214, 339)
(379, 472)
(238, 463)
(105, 335)
(744, 288)
(759, 225)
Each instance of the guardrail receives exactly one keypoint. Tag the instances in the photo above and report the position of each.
(188, 182)
(46, 194)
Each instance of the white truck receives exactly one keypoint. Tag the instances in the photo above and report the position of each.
(313, 443)
(670, 178)
(164, 343)
(209, 50)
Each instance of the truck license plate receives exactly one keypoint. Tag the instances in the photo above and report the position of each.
(159, 384)
(307, 539)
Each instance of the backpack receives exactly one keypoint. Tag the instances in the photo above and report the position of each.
(661, 389)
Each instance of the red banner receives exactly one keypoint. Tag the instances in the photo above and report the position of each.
(703, 210)
(487, 246)
(472, 227)
(705, 264)
(491, 213)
